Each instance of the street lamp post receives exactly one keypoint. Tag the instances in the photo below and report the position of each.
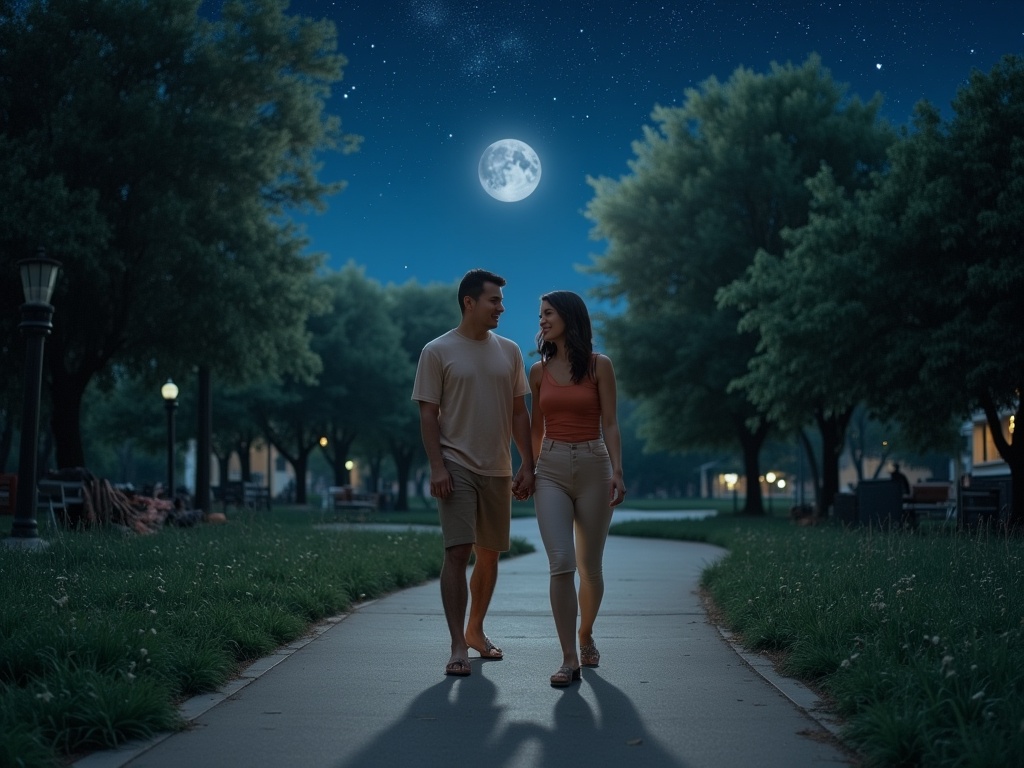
(169, 392)
(731, 478)
(38, 278)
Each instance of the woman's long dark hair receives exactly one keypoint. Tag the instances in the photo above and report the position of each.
(579, 337)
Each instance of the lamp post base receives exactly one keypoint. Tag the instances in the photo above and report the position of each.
(24, 543)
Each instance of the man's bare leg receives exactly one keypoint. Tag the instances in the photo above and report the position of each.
(454, 597)
(481, 588)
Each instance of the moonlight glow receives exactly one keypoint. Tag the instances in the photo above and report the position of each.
(509, 170)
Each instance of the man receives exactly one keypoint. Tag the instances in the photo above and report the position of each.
(471, 388)
(900, 478)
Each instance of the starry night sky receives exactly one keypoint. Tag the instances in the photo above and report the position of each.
(431, 83)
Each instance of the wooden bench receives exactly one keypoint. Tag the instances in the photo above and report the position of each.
(255, 496)
(340, 498)
(930, 500)
(979, 507)
(237, 494)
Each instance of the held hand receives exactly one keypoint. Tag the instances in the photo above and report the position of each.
(617, 493)
(523, 484)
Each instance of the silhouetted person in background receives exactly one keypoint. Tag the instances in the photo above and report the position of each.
(900, 478)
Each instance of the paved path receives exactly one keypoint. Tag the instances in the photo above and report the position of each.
(368, 689)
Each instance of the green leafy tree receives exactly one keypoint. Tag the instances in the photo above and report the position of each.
(949, 270)
(718, 179)
(364, 368)
(422, 312)
(288, 414)
(912, 285)
(157, 155)
(814, 352)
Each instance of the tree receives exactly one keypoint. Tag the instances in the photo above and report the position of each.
(811, 356)
(423, 312)
(913, 284)
(720, 178)
(366, 374)
(288, 414)
(156, 155)
(951, 266)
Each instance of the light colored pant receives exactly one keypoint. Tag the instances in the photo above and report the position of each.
(571, 493)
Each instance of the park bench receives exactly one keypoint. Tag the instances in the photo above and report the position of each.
(238, 494)
(882, 504)
(930, 500)
(256, 496)
(979, 507)
(343, 498)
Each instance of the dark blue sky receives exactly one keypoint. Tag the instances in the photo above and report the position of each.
(431, 83)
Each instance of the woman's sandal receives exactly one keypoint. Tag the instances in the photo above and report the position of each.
(589, 655)
(564, 677)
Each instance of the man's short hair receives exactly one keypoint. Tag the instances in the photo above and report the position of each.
(472, 285)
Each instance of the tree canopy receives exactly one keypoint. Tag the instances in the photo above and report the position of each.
(716, 180)
(905, 294)
(157, 155)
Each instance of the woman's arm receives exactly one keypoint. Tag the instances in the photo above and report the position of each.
(536, 417)
(607, 391)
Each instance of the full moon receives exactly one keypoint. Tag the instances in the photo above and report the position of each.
(509, 170)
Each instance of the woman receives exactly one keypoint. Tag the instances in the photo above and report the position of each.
(579, 470)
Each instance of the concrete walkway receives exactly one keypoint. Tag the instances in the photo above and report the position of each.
(368, 689)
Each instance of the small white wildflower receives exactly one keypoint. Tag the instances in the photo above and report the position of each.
(45, 696)
(977, 696)
(845, 664)
(143, 652)
(152, 631)
(935, 639)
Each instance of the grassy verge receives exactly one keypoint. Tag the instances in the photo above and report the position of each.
(102, 635)
(917, 638)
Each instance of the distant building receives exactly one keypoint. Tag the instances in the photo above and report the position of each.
(981, 457)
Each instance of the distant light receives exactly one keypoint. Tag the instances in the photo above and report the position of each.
(169, 391)
(878, 66)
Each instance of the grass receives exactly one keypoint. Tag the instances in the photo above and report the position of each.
(917, 638)
(102, 635)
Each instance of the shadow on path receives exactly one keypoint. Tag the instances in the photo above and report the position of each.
(459, 722)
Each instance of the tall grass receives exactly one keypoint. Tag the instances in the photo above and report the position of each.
(917, 638)
(102, 635)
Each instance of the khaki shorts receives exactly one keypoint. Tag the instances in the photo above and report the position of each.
(479, 510)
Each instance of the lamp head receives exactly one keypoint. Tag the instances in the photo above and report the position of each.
(169, 391)
(38, 277)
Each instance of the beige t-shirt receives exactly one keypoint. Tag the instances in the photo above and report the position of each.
(475, 383)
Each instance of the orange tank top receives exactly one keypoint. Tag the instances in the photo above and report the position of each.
(572, 412)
